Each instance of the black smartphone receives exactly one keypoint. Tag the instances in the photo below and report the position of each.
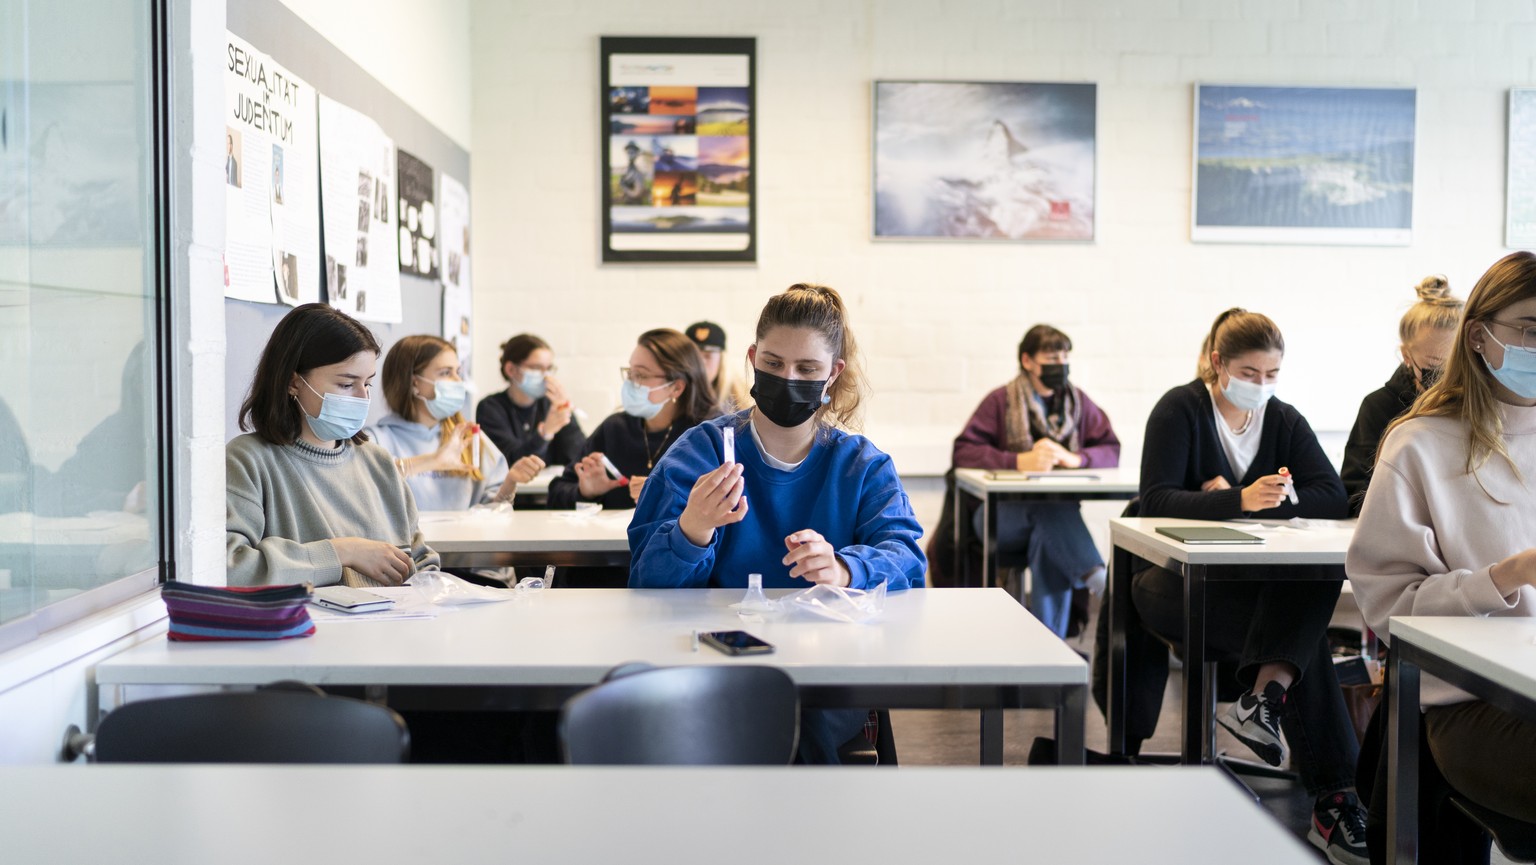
(736, 642)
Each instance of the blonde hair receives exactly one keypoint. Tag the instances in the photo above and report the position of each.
(1235, 332)
(1465, 390)
(1436, 308)
(821, 309)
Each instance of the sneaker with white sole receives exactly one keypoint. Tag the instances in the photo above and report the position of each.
(1338, 829)
(1255, 721)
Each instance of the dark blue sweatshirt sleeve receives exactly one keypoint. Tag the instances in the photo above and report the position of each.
(661, 556)
(887, 535)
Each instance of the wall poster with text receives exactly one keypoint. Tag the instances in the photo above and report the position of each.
(1520, 180)
(679, 147)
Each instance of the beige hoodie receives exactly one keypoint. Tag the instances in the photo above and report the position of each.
(1429, 530)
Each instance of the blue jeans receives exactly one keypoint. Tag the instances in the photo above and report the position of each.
(1060, 552)
(823, 731)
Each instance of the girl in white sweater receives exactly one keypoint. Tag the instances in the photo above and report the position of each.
(1449, 520)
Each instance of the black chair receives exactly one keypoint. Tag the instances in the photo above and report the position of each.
(266, 726)
(714, 715)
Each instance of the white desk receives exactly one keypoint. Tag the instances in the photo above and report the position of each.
(932, 649)
(1494, 659)
(481, 539)
(990, 487)
(404, 815)
(539, 486)
(1323, 542)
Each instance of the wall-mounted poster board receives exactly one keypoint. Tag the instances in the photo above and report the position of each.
(1520, 180)
(679, 175)
(1322, 165)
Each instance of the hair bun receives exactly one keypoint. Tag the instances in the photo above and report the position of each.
(1435, 289)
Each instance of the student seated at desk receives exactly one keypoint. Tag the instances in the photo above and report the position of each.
(665, 394)
(826, 506)
(435, 448)
(1449, 523)
(729, 388)
(532, 417)
(1214, 450)
(310, 499)
(1427, 331)
(1035, 423)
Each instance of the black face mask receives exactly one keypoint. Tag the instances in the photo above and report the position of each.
(787, 403)
(1054, 375)
(1428, 376)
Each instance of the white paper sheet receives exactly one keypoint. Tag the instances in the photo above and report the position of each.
(357, 188)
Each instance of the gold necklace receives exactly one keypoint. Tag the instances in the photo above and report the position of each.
(650, 459)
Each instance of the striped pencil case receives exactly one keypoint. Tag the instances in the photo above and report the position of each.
(205, 613)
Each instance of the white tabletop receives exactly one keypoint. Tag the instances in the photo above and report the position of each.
(540, 484)
(1500, 649)
(1317, 542)
(571, 637)
(382, 815)
(1106, 481)
(487, 531)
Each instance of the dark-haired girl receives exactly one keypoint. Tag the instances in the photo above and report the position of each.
(665, 393)
(532, 417)
(310, 499)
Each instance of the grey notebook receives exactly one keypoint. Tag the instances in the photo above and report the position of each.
(1208, 535)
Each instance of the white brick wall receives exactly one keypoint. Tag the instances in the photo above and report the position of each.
(939, 321)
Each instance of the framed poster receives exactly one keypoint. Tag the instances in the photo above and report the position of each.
(1324, 165)
(985, 160)
(1520, 172)
(678, 170)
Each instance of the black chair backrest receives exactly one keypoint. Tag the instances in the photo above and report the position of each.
(722, 716)
(275, 726)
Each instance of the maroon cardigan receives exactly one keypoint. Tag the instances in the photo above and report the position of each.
(980, 446)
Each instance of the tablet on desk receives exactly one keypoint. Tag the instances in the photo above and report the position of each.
(1208, 535)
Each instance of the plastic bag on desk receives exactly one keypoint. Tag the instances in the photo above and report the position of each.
(840, 604)
(443, 589)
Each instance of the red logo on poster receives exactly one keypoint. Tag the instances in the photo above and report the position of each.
(1061, 209)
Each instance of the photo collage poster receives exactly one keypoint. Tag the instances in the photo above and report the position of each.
(453, 250)
(1520, 191)
(418, 216)
(679, 173)
(357, 179)
(271, 181)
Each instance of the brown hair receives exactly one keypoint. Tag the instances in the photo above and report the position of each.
(1465, 390)
(1237, 331)
(517, 349)
(1042, 337)
(680, 360)
(821, 309)
(309, 336)
(405, 360)
(1436, 308)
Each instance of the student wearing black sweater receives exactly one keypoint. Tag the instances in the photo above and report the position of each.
(665, 393)
(1427, 331)
(1214, 450)
(532, 417)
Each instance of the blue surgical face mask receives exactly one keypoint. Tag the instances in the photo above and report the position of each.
(637, 400)
(1518, 372)
(341, 417)
(449, 399)
(532, 383)
(1245, 394)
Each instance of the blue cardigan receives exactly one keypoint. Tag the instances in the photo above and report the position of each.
(846, 489)
(1182, 450)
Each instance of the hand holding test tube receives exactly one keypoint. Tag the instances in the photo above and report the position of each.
(1290, 485)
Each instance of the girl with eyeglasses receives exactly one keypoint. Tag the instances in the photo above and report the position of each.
(665, 393)
(1449, 522)
(532, 417)
(1427, 331)
(448, 463)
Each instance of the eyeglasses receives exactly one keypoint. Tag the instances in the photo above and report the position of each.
(542, 370)
(1527, 333)
(627, 373)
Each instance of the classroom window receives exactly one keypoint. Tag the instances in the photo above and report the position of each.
(82, 466)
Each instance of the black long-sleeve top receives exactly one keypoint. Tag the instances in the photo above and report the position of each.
(1182, 450)
(1377, 411)
(514, 430)
(629, 446)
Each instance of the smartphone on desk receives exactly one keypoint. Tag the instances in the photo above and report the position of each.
(736, 643)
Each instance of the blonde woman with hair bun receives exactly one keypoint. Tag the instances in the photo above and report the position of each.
(1425, 332)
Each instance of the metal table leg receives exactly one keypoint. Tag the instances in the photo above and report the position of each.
(1403, 760)
(1117, 605)
(991, 737)
(1069, 726)
(1197, 696)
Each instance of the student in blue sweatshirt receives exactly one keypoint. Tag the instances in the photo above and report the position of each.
(804, 503)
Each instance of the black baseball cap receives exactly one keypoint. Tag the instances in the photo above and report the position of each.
(707, 334)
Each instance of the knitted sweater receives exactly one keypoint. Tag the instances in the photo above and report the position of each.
(439, 491)
(284, 503)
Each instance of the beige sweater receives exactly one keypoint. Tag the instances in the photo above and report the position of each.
(285, 503)
(1429, 531)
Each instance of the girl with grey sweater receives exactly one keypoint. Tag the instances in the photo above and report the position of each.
(309, 498)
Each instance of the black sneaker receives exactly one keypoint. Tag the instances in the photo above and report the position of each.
(1255, 721)
(1338, 829)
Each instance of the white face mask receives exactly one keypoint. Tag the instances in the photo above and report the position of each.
(1245, 394)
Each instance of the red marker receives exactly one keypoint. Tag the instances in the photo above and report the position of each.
(1290, 485)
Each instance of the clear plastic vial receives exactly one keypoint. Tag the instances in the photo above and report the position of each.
(754, 599)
